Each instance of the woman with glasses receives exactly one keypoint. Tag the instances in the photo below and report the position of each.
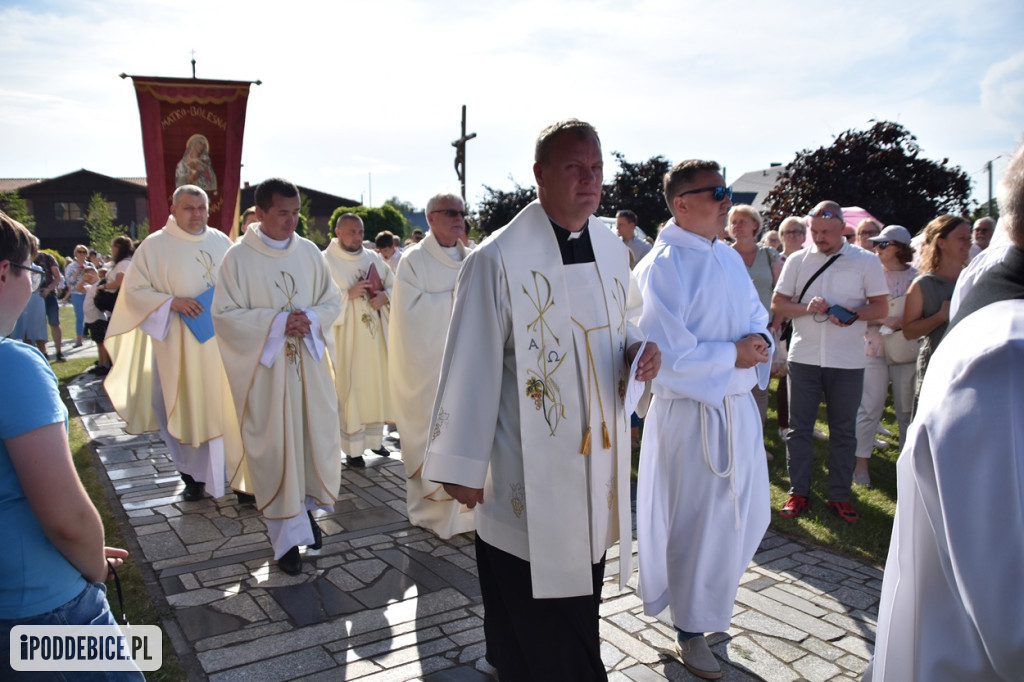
(894, 250)
(72, 275)
(945, 251)
(53, 562)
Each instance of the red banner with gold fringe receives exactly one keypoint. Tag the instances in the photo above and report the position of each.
(192, 135)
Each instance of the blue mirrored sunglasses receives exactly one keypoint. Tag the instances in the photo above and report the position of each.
(720, 192)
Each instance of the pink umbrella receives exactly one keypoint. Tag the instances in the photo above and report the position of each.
(852, 215)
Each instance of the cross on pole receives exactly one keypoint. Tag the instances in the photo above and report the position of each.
(193, 63)
(460, 154)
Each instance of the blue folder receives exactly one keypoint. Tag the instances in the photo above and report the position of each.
(202, 326)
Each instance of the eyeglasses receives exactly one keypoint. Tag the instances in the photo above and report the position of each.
(882, 245)
(869, 233)
(35, 273)
(720, 193)
(451, 212)
(824, 213)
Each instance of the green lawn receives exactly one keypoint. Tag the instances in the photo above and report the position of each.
(867, 540)
(137, 602)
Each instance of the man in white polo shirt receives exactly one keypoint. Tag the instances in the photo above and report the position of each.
(826, 354)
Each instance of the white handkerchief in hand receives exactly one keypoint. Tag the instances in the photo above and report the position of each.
(634, 388)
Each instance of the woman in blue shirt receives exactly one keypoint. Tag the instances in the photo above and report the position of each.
(53, 561)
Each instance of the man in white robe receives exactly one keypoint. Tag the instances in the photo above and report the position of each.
(420, 311)
(702, 495)
(272, 305)
(529, 424)
(951, 595)
(360, 340)
(164, 376)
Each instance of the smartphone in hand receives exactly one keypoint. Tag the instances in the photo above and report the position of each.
(843, 315)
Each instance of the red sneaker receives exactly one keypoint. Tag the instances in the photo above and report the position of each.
(845, 511)
(794, 507)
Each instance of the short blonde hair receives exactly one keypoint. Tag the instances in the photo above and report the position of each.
(747, 211)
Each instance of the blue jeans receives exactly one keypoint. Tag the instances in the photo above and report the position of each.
(77, 302)
(88, 608)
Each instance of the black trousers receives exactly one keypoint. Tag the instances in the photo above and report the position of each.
(533, 640)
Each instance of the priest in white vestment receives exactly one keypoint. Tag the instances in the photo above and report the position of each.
(529, 423)
(273, 306)
(165, 377)
(702, 495)
(952, 599)
(420, 311)
(360, 340)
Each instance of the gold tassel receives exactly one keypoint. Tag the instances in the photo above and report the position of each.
(604, 432)
(585, 448)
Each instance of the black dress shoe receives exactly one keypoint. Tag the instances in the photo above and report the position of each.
(357, 462)
(291, 562)
(381, 452)
(194, 490)
(318, 535)
(245, 498)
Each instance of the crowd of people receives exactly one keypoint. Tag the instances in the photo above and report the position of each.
(514, 372)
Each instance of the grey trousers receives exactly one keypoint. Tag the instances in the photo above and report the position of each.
(842, 389)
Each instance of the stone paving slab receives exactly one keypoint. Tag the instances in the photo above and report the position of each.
(384, 600)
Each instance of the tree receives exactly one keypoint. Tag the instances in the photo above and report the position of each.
(99, 224)
(375, 220)
(879, 169)
(638, 187)
(13, 205)
(983, 210)
(498, 207)
(401, 206)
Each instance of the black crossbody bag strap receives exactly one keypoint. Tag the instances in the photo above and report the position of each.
(822, 269)
(787, 329)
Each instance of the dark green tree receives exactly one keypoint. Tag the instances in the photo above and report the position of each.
(638, 187)
(13, 205)
(375, 220)
(498, 207)
(879, 169)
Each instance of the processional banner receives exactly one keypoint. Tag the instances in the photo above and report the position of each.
(192, 135)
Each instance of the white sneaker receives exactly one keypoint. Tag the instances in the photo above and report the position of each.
(884, 431)
(697, 657)
(863, 479)
(820, 435)
(881, 444)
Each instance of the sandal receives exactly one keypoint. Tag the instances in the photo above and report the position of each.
(794, 507)
(845, 511)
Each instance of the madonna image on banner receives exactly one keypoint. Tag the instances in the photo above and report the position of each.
(196, 166)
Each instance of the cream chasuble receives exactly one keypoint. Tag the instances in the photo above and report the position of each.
(359, 339)
(193, 384)
(532, 411)
(420, 311)
(289, 410)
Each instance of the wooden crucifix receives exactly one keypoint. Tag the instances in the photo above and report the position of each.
(460, 154)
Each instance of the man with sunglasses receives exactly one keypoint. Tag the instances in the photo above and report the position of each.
(420, 311)
(702, 495)
(826, 354)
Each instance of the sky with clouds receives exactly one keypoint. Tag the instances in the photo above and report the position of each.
(363, 99)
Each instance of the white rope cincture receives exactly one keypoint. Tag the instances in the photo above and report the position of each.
(730, 469)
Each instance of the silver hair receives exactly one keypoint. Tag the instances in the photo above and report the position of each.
(444, 196)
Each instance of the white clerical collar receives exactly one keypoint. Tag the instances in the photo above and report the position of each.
(276, 244)
(452, 252)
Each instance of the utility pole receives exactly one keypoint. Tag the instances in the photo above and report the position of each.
(460, 154)
(988, 167)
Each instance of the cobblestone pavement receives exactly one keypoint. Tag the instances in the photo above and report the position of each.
(384, 600)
